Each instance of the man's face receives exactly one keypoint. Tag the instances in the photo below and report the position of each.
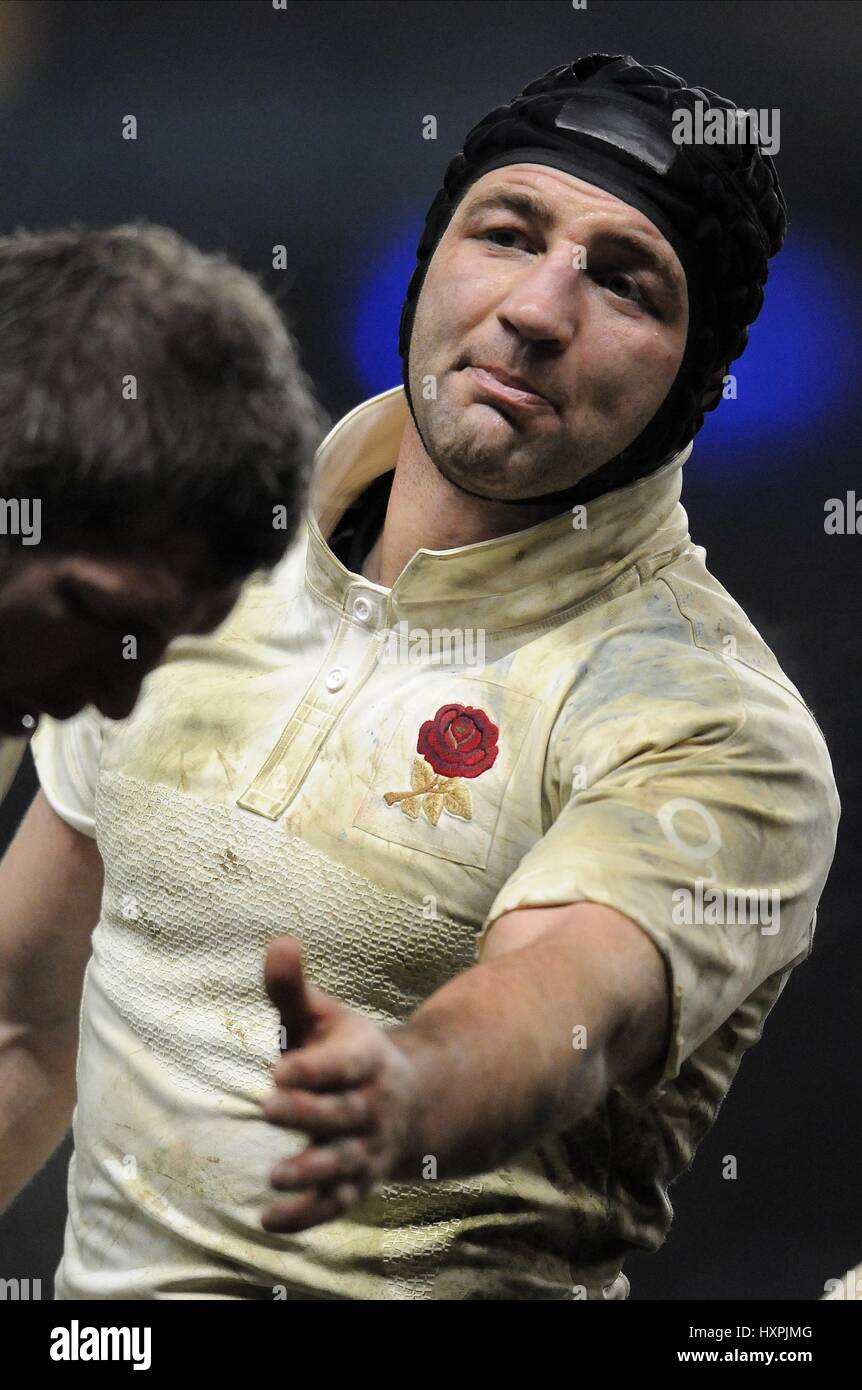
(599, 346)
(65, 621)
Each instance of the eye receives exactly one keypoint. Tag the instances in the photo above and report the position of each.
(502, 231)
(627, 281)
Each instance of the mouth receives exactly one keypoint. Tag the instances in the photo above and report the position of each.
(504, 386)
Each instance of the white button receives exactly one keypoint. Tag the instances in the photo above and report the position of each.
(335, 679)
(361, 609)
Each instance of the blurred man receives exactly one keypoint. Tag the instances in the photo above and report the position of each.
(482, 747)
(155, 439)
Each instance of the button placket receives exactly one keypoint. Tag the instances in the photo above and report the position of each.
(363, 606)
(348, 663)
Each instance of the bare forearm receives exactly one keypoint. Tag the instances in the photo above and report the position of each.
(515, 1047)
(568, 1001)
(50, 890)
(36, 1104)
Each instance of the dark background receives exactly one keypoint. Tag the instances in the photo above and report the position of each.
(303, 127)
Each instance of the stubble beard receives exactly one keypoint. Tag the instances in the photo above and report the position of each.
(470, 460)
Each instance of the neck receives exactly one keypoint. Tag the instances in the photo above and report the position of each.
(428, 512)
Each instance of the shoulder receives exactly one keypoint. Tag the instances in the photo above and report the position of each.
(677, 665)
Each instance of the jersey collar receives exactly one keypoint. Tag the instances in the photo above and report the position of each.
(510, 581)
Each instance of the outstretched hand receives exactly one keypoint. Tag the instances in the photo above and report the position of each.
(345, 1083)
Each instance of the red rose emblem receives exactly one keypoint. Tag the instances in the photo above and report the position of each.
(459, 741)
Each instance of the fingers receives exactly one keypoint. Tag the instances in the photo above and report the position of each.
(322, 1116)
(312, 1209)
(324, 1065)
(338, 1175)
(326, 1165)
(285, 985)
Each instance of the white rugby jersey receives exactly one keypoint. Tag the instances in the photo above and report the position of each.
(615, 730)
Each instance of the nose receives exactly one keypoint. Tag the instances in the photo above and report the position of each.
(543, 303)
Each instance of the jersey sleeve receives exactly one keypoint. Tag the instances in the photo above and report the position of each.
(67, 754)
(700, 803)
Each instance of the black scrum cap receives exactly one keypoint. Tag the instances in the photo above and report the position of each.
(610, 121)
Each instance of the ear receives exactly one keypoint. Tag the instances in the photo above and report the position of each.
(714, 387)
